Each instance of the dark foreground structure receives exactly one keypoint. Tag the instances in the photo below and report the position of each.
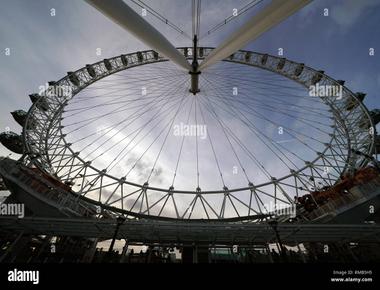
(59, 228)
(297, 243)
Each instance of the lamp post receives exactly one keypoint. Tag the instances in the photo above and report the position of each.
(274, 225)
(119, 221)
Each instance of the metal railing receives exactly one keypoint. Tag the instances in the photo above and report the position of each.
(60, 198)
(359, 192)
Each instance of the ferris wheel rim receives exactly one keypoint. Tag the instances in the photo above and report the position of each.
(249, 187)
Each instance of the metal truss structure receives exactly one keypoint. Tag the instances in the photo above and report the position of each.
(46, 146)
(99, 161)
(187, 233)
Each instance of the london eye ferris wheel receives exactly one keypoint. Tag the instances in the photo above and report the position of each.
(197, 132)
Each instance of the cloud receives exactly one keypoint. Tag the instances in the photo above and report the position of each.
(348, 12)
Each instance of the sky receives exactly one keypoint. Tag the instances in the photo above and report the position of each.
(45, 47)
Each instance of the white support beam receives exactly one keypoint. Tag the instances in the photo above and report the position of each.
(273, 14)
(127, 18)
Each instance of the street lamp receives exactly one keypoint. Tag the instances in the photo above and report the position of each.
(274, 224)
(119, 221)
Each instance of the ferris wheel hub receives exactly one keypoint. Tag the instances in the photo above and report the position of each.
(194, 82)
(195, 69)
